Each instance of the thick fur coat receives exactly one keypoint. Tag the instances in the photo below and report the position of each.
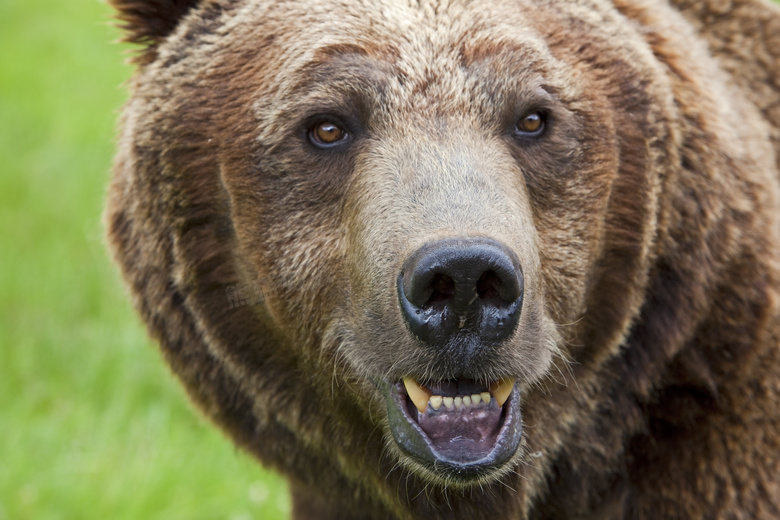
(283, 164)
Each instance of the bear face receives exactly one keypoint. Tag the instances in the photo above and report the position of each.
(473, 246)
(419, 164)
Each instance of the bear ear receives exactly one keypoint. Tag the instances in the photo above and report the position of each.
(147, 22)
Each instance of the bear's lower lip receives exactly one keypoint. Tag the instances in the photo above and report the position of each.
(459, 442)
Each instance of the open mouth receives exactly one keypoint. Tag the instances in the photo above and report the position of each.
(459, 427)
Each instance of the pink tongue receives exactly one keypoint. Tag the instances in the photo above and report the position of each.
(464, 434)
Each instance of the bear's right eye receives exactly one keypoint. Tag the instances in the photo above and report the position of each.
(327, 134)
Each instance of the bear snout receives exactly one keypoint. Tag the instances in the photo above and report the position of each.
(453, 288)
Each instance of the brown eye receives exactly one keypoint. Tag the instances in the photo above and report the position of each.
(531, 125)
(327, 134)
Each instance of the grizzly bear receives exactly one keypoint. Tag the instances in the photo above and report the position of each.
(467, 260)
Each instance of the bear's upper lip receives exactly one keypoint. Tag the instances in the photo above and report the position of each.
(459, 428)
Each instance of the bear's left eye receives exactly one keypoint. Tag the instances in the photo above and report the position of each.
(531, 124)
(327, 134)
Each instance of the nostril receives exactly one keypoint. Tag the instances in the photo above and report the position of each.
(488, 286)
(442, 289)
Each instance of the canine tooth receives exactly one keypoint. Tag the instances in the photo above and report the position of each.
(502, 389)
(485, 397)
(417, 394)
(435, 401)
(476, 399)
(458, 402)
(466, 400)
(448, 402)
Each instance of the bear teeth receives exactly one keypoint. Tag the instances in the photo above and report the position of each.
(424, 398)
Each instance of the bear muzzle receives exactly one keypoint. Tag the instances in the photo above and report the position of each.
(461, 298)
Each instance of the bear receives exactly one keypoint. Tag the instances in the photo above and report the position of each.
(442, 259)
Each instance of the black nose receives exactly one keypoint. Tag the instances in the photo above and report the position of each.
(461, 287)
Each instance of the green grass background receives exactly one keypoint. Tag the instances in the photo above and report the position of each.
(92, 424)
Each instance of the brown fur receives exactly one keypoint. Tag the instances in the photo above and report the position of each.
(647, 221)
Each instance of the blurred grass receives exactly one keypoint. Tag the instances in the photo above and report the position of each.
(92, 424)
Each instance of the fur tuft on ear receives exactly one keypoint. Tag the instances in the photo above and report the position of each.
(147, 22)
